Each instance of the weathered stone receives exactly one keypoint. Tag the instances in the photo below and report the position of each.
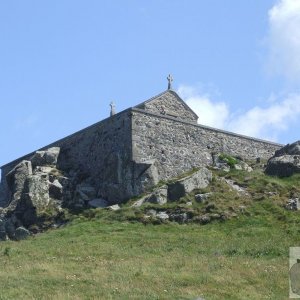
(84, 193)
(179, 217)
(202, 219)
(115, 153)
(210, 207)
(159, 196)
(289, 149)
(87, 190)
(56, 190)
(43, 169)
(293, 204)
(283, 166)
(215, 216)
(285, 162)
(37, 195)
(114, 207)
(200, 198)
(3, 235)
(10, 228)
(235, 186)
(245, 166)
(242, 208)
(151, 213)
(199, 179)
(16, 179)
(139, 202)
(98, 203)
(21, 233)
(238, 167)
(45, 157)
(162, 215)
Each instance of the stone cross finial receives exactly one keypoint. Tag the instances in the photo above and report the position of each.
(112, 108)
(170, 80)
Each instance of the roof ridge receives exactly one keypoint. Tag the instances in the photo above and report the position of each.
(165, 92)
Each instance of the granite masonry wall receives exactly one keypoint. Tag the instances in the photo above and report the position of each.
(178, 146)
(130, 151)
(100, 152)
(169, 104)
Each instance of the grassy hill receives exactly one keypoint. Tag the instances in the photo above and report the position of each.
(103, 254)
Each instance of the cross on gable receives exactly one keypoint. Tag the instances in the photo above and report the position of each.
(170, 80)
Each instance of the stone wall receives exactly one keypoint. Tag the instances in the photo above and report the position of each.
(101, 152)
(169, 104)
(123, 155)
(178, 146)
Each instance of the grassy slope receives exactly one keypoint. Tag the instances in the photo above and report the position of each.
(244, 258)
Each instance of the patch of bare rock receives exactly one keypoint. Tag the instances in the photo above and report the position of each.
(285, 162)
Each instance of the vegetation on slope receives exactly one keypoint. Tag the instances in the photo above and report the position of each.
(112, 255)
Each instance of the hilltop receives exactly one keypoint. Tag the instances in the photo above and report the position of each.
(239, 252)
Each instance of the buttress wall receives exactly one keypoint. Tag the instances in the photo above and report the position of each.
(101, 152)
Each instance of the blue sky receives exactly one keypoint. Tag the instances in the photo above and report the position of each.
(235, 62)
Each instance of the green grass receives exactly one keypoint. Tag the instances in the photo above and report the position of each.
(104, 254)
(244, 258)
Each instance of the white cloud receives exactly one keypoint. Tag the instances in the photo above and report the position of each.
(262, 122)
(284, 39)
(210, 113)
(267, 122)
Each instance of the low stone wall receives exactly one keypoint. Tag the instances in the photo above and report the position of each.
(179, 146)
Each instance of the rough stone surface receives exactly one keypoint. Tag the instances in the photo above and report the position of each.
(293, 204)
(133, 150)
(285, 162)
(179, 146)
(162, 215)
(21, 233)
(56, 190)
(159, 196)
(283, 166)
(47, 157)
(169, 104)
(16, 179)
(202, 219)
(200, 198)
(289, 149)
(3, 235)
(37, 195)
(114, 207)
(98, 203)
(179, 217)
(199, 179)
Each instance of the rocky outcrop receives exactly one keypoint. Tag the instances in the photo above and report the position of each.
(226, 162)
(293, 204)
(46, 157)
(16, 179)
(36, 187)
(173, 191)
(285, 162)
(197, 180)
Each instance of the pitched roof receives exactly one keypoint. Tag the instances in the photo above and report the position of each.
(141, 105)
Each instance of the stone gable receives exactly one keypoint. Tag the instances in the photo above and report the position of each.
(169, 104)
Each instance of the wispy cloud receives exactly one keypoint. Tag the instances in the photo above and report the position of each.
(26, 122)
(284, 39)
(266, 122)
